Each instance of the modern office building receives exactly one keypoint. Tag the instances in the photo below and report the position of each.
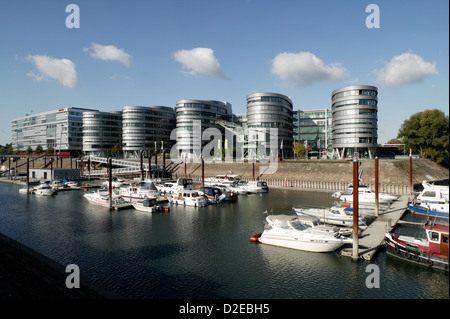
(146, 128)
(314, 128)
(193, 118)
(60, 129)
(102, 131)
(355, 120)
(272, 110)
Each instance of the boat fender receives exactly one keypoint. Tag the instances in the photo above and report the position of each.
(407, 255)
(396, 249)
(415, 257)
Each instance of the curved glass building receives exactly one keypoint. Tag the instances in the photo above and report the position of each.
(355, 120)
(272, 110)
(101, 132)
(195, 116)
(146, 128)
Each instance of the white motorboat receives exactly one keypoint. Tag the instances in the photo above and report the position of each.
(314, 222)
(57, 184)
(138, 191)
(71, 184)
(44, 189)
(257, 187)
(101, 197)
(26, 190)
(222, 179)
(287, 231)
(149, 205)
(188, 198)
(340, 216)
(115, 182)
(365, 195)
(173, 186)
(433, 193)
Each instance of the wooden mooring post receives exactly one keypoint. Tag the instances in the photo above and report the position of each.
(355, 254)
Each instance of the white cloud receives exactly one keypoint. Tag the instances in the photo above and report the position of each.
(62, 70)
(108, 53)
(199, 61)
(304, 68)
(406, 68)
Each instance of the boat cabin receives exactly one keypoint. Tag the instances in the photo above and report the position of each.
(437, 236)
(210, 192)
(433, 193)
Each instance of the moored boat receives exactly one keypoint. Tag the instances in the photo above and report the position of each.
(188, 198)
(432, 201)
(26, 190)
(226, 179)
(340, 216)
(287, 231)
(57, 184)
(173, 186)
(138, 191)
(149, 205)
(101, 197)
(431, 251)
(365, 195)
(257, 187)
(71, 184)
(436, 210)
(44, 189)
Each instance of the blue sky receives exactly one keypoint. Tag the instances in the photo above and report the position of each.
(157, 52)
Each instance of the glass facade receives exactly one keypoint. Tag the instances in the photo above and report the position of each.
(314, 128)
(272, 110)
(101, 132)
(60, 129)
(355, 121)
(146, 128)
(194, 117)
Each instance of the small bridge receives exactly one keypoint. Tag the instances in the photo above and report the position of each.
(125, 166)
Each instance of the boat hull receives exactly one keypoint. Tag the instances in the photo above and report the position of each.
(422, 211)
(147, 209)
(188, 202)
(329, 218)
(318, 246)
(414, 255)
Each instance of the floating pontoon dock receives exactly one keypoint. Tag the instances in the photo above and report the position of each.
(373, 236)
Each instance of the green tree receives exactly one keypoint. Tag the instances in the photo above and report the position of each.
(427, 133)
(299, 150)
(39, 149)
(50, 150)
(29, 150)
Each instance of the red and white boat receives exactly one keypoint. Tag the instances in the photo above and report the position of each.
(431, 252)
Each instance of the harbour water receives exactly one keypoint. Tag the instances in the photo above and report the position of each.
(205, 252)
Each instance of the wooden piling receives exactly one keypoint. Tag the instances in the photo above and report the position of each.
(376, 187)
(110, 183)
(355, 254)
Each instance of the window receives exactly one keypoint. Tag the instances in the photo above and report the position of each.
(429, 194)
(434, 236)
